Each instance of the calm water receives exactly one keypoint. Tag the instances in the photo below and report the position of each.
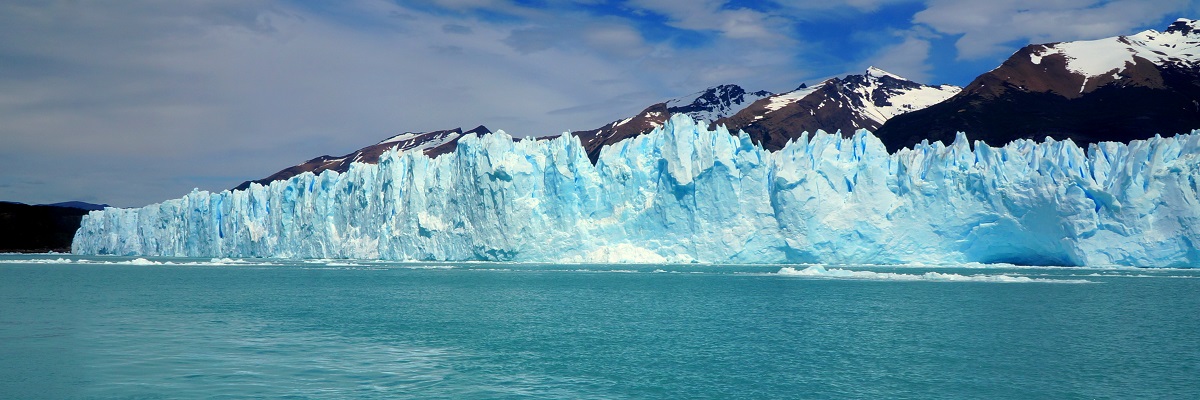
(176, 328)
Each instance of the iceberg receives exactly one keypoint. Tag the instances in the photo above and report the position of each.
(690, 193)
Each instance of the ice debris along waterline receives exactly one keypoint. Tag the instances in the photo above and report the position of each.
(817, 271)
(685, 193)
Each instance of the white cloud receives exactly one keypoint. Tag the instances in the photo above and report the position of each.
(709, 15)
(872, 5)
(909, 58)
(988, 26)
(620, 41)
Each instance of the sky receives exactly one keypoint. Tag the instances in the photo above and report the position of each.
(138, 101)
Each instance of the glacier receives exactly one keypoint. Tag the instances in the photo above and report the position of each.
(690, 193)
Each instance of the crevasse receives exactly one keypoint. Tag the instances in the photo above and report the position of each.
(685, 193)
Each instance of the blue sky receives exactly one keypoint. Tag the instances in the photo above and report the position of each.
(138, 101)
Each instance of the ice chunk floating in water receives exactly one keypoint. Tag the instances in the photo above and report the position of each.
(687, 193)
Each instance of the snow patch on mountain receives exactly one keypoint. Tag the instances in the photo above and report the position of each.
(875, 72)
(1180, 46)
(783, 100)
(714, 103)
(401, 137)
(883, 100)
(422, 141)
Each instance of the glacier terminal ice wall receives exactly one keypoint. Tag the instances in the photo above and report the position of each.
(685, 193)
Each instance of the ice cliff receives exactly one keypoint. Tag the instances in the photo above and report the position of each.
(687, 193)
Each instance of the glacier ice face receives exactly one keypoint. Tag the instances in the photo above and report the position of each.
(685, 193)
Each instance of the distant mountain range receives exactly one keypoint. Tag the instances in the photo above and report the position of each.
(845, 104)
(711, 104)
(79, 204)
(849, 103)
(1114, 89)
(432, 144)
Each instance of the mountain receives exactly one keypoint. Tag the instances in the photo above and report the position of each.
(1114, 89)
(709, 105)
(688, 193)
(40, 228)
(847, 104)
(80, 205)
(432, 144)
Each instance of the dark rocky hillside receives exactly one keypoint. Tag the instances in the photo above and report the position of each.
(35, 229)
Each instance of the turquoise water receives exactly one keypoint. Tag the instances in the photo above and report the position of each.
(73, 327)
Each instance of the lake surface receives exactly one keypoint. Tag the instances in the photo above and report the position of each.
(104, 327)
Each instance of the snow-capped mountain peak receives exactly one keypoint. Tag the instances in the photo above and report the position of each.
(875, 72)
(714, 103)
(1184, 26)
(885, 95)
(1113, 89)
(846, 104)
(1179, 45)
(711, 104)
(775, 103)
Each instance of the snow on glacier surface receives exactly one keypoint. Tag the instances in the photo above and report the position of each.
(685, 193)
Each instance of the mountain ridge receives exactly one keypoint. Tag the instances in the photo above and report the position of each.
(39, 228)
(1120, 88)
(709, 105)
(433, 144)
(845, 104)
